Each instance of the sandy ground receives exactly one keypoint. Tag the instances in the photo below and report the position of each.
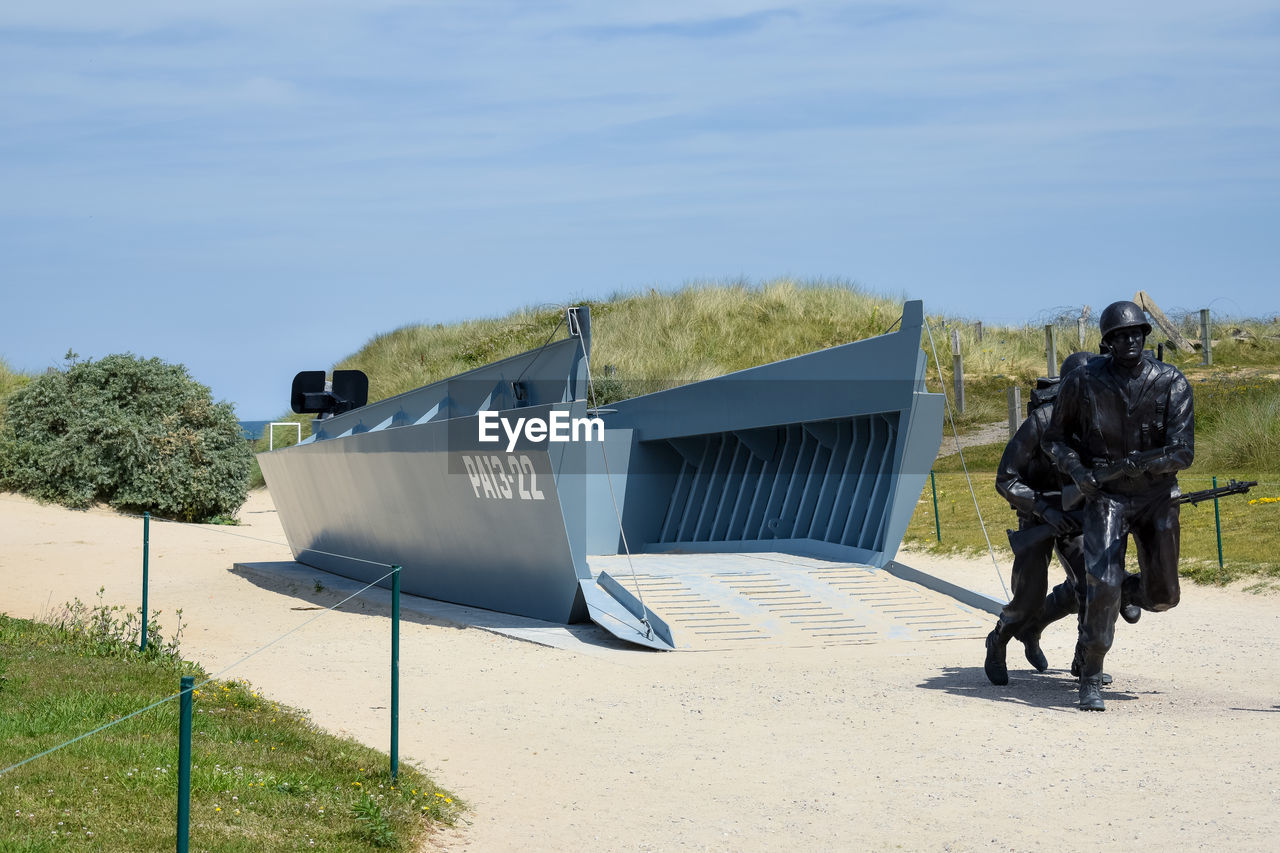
(891, 745)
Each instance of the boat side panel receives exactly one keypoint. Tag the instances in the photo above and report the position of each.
(918, 449)
(551, 374)
(406, 497)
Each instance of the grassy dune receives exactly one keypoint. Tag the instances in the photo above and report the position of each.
(642, 341)
(647, 340)
(661, 339)
(668, 338)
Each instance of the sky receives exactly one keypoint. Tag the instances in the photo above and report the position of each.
(257, 187)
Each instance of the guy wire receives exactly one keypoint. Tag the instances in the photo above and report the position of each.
(608, 476)
(942, 384)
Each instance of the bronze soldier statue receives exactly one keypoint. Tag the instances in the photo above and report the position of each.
(1121, 429)
(1028, 479)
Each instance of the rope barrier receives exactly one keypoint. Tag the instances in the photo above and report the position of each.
(211, 678)
(211, 528)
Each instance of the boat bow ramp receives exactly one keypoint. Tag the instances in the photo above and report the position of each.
(765, 505)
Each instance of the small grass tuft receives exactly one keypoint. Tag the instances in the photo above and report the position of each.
(373, 826)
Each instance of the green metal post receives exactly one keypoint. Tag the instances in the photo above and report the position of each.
(184, 763)
(1217, 523)
(937, 525)
(146, 547)
(395, 672)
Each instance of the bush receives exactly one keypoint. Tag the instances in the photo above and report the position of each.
(137, 434)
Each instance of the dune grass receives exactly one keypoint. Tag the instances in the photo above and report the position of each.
(1237, 424)
(263, 777)
(645, 341)
(9, 380)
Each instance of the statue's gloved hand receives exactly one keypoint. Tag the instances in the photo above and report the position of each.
(1084, 480)
(1132, 466)
(1061, 523)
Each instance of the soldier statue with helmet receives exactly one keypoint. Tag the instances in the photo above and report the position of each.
(1121, 429)
(1028, 479)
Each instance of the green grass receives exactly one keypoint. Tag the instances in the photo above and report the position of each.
(1237, 424)
(643, 341)
(659, 339)
(263, 777)
(9, 380)
(1250, 525)
(1237, 436)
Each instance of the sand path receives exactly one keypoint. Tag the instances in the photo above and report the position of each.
(892, 745)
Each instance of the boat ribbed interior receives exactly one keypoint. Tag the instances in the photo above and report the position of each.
(823, 480)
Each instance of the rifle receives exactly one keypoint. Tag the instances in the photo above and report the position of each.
(1235, 487)
(1031, 536)
(1022, 539)
(1109, 472)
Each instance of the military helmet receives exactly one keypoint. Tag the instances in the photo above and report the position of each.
(1120, 315)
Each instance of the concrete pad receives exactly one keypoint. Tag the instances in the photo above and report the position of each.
(711, 601)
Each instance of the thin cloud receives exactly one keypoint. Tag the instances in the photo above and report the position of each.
(699, 29)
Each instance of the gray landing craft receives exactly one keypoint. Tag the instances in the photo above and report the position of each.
(823, 455)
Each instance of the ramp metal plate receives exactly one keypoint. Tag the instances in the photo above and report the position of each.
(720, 601)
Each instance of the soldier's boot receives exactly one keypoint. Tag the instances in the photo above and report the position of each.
(994, 666)
(1035, 655)
(1076, 664)
(1058, 604)
(1091, 693)
(1129, 609)
(1029, 636)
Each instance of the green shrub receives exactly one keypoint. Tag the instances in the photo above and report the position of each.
(134, 433)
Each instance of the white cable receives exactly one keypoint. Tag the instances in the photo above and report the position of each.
(963, 465)
(626, 549)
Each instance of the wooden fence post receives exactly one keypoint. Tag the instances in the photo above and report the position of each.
(1015, 410)
(957, 364)
(1051, 350)
(1206, 348)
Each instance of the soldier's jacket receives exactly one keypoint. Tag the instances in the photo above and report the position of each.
(1101, 416)
(1026, 472)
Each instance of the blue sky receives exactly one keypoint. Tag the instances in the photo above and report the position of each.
(254, 187)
